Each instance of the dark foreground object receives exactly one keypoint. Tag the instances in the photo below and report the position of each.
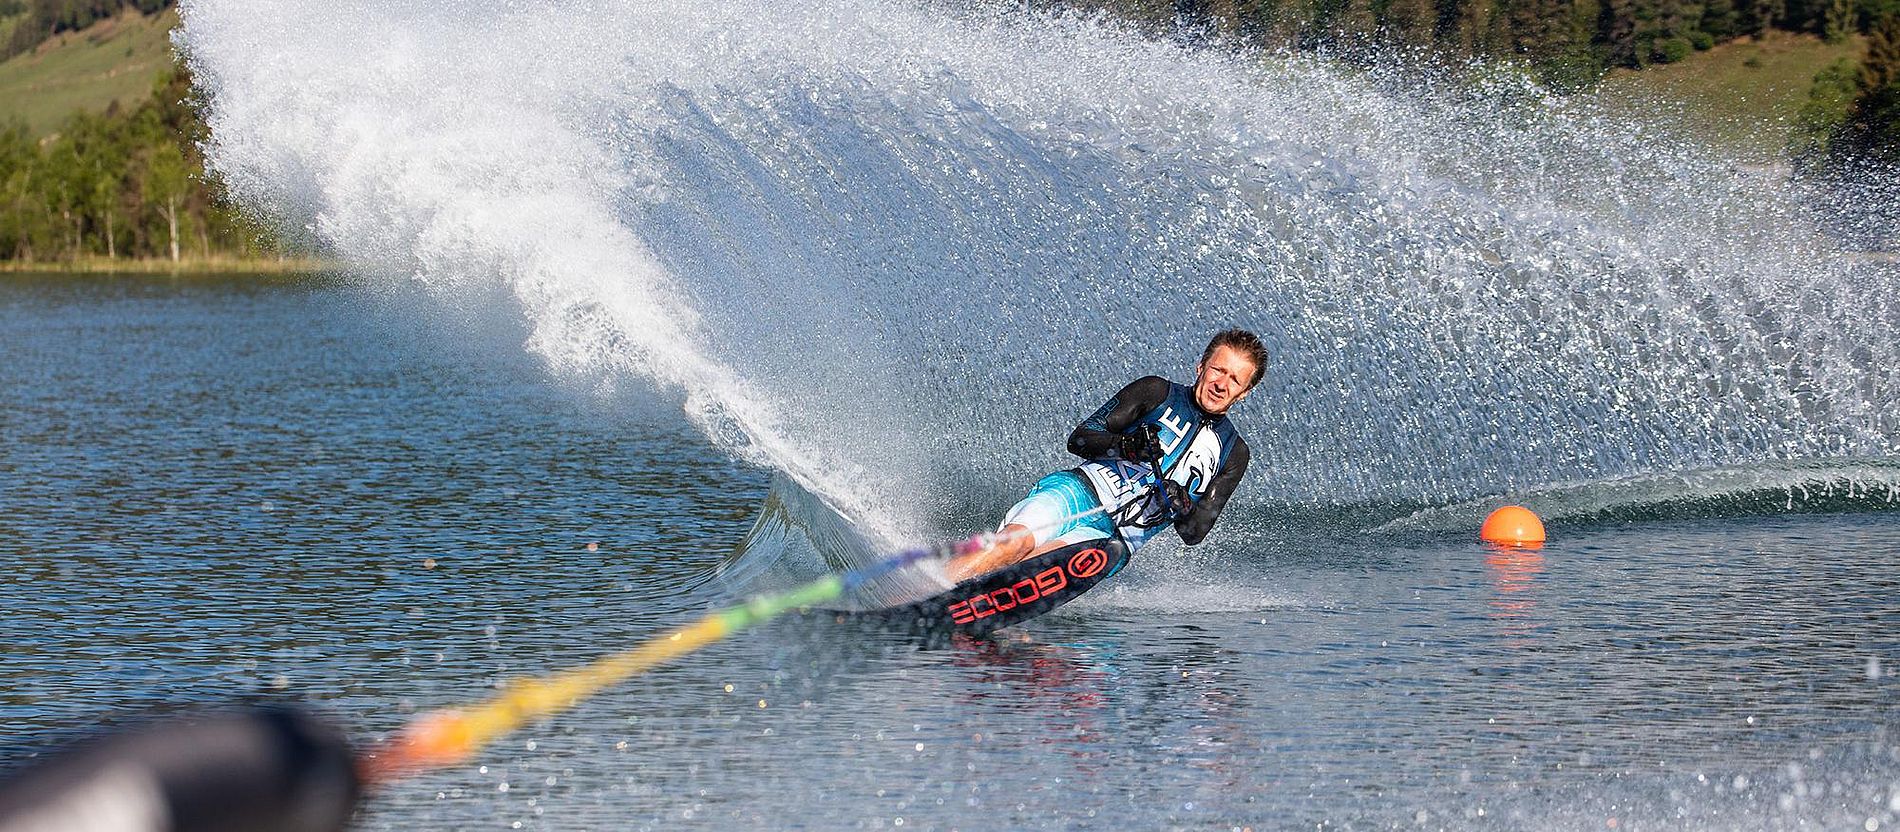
(1013, 594)
(245, 771)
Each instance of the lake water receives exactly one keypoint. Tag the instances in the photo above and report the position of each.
(219, 488)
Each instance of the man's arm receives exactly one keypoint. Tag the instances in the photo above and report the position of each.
(1100, 435)
(1194, 525)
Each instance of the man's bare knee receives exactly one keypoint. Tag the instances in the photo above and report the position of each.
(1012, 544)
(1016, 540)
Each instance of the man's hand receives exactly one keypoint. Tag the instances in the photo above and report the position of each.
(1176, 494)
(1143, 445)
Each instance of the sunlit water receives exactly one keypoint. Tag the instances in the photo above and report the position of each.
(655, 305)
(229, 488)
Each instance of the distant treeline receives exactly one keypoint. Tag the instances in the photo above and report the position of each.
(46, 18)
(122, 184)
(1853, 115)
(1571, 43)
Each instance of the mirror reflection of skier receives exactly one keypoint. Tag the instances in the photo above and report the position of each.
(1185, 428)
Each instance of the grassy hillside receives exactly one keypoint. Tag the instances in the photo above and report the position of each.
(114, 60)
(1742, 94)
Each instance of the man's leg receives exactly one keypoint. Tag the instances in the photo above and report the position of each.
(1034, 525)
(1013, 543)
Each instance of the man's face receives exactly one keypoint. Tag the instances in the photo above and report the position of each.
(1223, 380)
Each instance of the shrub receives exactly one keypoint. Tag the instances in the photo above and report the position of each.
(1671, 50)
(1830, 98)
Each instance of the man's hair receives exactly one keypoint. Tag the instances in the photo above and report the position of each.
(1243, 342)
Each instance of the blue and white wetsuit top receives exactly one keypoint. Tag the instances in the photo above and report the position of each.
(1203, 453)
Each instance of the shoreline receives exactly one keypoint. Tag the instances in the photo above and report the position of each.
(183, 266)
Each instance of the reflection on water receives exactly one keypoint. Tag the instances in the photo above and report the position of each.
(350, 515)
(1513, 571)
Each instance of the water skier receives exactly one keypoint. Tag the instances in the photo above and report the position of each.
(1185, 428)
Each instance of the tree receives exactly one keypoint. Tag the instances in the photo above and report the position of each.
(1467, 24)
(1616, 33)
(93, 150)
(1821, 117)
(1554, 36)
(1873, 123)
(1409, 21)
(61, 190)
(1869, 12)
(1841, 20)
(18, 209)
(1345, 25)
(1758, 16)
(1720, 20)
(105, 172)
(166, 182)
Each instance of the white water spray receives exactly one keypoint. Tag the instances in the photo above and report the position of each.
(896, 254)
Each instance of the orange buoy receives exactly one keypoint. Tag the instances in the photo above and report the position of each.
(1513, 526)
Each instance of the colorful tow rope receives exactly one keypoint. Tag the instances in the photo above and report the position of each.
(450, 736)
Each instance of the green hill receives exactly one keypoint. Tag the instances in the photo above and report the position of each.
(1742, 94)
(100, 167)
(114, 60)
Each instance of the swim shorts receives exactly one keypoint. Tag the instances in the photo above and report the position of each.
(1050, 511)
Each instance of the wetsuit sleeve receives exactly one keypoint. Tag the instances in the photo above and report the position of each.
(1200, 519)
(1099, 436)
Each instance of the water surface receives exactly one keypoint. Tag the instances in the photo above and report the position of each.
(308, 488)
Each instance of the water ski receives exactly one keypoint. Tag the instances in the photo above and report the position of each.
(1015, 593)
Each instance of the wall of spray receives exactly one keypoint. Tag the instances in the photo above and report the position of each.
(895, 252)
